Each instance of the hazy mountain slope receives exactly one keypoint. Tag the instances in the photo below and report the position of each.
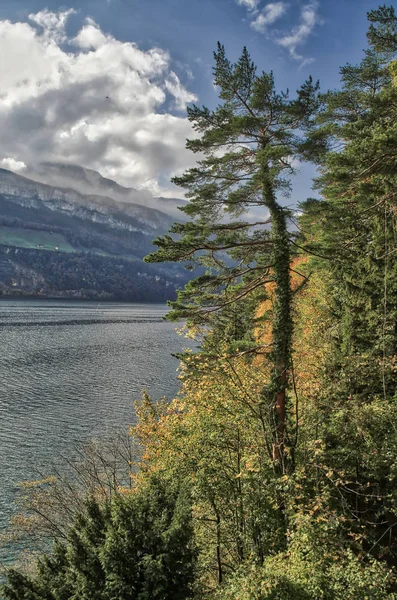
(88, 181)
(58, 241)
(24, 190)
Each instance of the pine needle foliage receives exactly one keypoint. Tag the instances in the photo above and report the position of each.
(247, 147)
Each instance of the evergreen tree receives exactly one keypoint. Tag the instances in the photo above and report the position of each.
(136, 547)
(382, 33)
(354, 228)
(249, 143)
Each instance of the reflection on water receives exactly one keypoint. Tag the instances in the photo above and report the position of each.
(70, 371)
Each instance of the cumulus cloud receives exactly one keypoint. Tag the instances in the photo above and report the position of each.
(269, 15)
(52, 24)
(93, 101)
(309, 18)
(249, 4)
(11, 164)
(90, 36)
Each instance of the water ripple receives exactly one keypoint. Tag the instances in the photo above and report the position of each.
(72, 370)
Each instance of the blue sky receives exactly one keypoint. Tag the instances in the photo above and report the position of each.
(95, 52)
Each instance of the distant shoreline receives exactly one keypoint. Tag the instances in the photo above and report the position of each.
(22, 297)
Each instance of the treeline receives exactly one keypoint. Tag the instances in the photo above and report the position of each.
(82, 275)
(273, 474)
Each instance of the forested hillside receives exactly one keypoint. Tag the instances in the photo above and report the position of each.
(59, 242)
(273, 475)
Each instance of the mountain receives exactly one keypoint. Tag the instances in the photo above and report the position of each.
(63, 198)
(88, 181)
(58, 241)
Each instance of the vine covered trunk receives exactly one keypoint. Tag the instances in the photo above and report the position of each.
(282, 321)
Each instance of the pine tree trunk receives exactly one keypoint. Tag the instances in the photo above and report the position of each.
(282, 320)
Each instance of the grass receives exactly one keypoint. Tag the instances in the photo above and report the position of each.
(30, 238)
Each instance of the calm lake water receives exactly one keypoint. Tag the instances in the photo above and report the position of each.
(71, 371)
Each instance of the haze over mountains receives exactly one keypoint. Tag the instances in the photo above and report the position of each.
(88, 181)
(67, 231)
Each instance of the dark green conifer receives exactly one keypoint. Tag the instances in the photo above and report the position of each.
(136, 547)
(352, 235)
(248, 145)
(382, 33)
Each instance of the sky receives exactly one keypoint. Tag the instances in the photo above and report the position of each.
(104, 84)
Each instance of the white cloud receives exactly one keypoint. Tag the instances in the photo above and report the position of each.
(269, 15)
(300, 33)
(100, 103)
(52, 24)
(90, 36)
(249, 4)
(11, 164)
(261, 21)
(181, 94)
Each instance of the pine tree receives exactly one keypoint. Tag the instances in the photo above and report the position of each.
(352, 232)
(249, 143)
(382, 33)
(354, 226)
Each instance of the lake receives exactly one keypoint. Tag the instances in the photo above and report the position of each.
(71, 371)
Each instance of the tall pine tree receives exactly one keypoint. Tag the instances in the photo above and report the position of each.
(247, 148)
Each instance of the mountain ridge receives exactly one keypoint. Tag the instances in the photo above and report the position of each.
(19, 186)
(87, 180)
(56, 241)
